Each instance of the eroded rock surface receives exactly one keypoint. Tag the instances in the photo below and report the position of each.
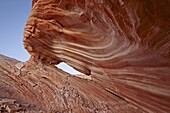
(123, 45)
(46, 89)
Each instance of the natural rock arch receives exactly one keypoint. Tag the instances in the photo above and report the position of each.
(123, 45)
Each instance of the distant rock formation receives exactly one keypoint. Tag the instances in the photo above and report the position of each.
(122, 47)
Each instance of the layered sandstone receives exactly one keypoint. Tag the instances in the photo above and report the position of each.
(122, 46)
(44, 88)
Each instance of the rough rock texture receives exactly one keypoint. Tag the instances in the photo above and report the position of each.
(47, 89)
(122, 46)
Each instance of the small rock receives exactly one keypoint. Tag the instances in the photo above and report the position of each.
(13, 108)
(19, 65)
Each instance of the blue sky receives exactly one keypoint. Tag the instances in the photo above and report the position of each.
(13, 17)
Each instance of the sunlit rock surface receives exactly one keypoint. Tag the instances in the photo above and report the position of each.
(123, 45)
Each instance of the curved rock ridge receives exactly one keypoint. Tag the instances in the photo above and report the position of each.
(123, 45)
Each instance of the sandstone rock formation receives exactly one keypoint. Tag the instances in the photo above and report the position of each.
(47, 89)
(123, 46)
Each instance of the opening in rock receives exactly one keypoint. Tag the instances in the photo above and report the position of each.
(65, 67)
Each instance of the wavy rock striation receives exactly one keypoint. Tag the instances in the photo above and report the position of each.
(123, 45)
(29, 88)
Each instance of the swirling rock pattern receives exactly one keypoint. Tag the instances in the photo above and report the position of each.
(123, 45)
